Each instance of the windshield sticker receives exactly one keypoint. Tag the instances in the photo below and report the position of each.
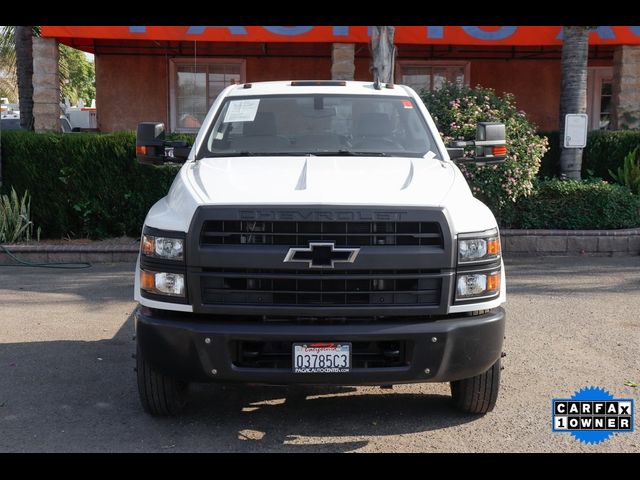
(242, 110)
(407, 104)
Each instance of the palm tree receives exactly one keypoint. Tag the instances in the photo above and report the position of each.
(573, 92)
(24, 72)
(383, 53)
(16, 49)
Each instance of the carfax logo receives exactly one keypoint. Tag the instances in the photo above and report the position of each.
(592, 415)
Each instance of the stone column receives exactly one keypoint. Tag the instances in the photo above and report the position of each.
(625, 108)
(46, 85)
(342, 61)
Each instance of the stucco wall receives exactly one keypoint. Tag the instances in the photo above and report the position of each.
(535, 84)
(130, 89)
(260, 69)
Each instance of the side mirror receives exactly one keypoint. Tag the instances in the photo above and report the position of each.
(491, 142)
(153, 149)
(490, 145)
(150, 143)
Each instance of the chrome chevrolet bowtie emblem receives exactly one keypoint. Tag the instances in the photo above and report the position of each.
(322, 255)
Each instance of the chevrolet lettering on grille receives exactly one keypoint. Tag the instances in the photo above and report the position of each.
(321, 255)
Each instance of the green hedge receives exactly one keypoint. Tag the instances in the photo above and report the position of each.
(605, 150)
(83, 184)
(573, 205)
(91, 185)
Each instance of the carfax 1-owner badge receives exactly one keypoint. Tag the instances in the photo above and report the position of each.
(592, 415)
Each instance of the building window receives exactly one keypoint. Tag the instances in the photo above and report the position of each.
(432, 76)
(195, 86)
(599, 88)
(604, 118)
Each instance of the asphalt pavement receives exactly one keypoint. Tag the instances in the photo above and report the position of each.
(67, 381)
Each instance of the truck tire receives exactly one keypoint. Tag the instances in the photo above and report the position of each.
(160, 395)
(477, 394)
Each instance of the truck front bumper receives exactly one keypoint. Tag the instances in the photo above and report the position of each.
(194, 348)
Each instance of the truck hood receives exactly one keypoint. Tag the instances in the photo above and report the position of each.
(320, 180)
(389, 181)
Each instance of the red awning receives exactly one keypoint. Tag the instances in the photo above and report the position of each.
(426, 35)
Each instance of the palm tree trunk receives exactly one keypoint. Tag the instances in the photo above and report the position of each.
(383, 53)
(573, 92)
(24, 72)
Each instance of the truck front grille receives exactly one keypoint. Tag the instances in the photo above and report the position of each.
(287, 287)
(353, 234)
(278, 355)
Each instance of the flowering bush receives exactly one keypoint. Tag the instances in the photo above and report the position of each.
(458, 109)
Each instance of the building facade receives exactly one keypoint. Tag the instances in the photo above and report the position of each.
(173, 74)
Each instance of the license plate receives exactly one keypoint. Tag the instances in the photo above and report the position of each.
(321, 357)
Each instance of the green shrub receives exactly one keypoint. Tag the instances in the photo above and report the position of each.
(15, 218)
(629, 173)
(457, 110)
(605, 151)
(573, 205)
(83, 184)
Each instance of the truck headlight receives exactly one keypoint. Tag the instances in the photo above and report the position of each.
(477, 284)
(478, 247)
(162, 283)
(163, 247)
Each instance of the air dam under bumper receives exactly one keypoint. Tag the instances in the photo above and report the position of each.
(464, 346)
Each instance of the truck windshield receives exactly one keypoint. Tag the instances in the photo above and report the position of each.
(368, 125)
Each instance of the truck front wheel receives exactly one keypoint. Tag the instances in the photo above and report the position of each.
(477, 394)
(160, 395)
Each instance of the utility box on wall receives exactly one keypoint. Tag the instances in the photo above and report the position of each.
(575, 130)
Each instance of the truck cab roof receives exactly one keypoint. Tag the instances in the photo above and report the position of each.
(318, 86)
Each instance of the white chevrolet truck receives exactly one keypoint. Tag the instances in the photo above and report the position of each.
(319, 232)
